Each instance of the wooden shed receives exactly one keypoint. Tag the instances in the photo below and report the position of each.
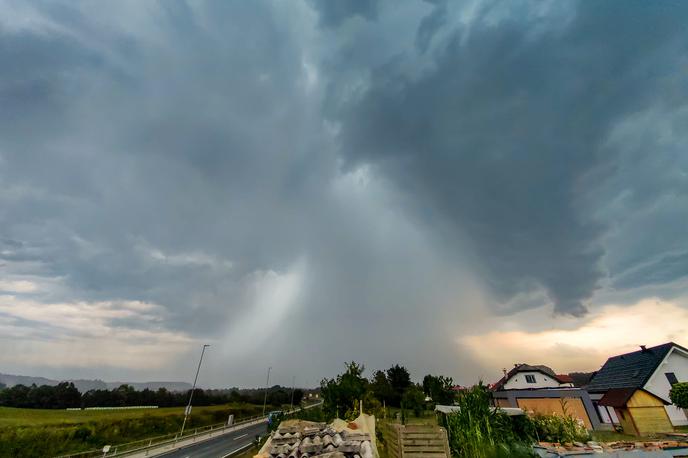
(640, 412)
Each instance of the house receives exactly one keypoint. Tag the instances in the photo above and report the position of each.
(538, 389)
(652, 369)
(527, 377)
(573, 402)
(639, 411)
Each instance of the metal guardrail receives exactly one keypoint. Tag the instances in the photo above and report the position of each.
(142, 444)
(122, 450)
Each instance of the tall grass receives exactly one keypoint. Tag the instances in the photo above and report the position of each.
(477, 431)
(560, 428)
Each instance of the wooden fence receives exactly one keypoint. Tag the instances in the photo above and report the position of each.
(416, 441)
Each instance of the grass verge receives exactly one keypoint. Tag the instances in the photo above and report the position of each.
(45, 433)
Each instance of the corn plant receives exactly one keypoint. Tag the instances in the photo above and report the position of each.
(477, 430)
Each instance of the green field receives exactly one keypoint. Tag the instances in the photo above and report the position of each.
(38, 432)
(10, 416)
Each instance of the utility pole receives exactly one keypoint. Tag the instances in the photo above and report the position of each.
(187, 412)
(293, 385)
(267, 384)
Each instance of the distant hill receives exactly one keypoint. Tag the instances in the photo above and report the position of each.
(170, 386)
(85, 385)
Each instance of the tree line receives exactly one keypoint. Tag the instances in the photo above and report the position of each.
(65, 395)
(392, 387)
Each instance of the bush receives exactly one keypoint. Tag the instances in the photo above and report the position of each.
(414, 400)
(316, 414)
(556, 428)
(679, 395)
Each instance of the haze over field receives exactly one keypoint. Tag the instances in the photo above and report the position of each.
(453, 186)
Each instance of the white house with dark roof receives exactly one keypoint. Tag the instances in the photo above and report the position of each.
(653, 369)
(527, 377)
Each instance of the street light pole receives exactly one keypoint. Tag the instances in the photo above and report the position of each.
(188, 407)
(267, 384)
(293, 385)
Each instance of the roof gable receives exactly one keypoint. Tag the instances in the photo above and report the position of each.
(630, 370)
(524, 368)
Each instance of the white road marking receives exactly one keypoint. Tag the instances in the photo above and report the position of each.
(237, 450)
(239, 437)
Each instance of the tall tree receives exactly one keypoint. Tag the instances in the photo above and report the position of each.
(340, 394)
(399, 379)
(381, 387)
(439, 388)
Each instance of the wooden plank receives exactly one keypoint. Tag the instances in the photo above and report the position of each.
(424, 455)
(429, 452)
(423, 436)
(420, 433)
(434, 444)
(433, 434)
(422, 444)
(421, 441)
(436, 437)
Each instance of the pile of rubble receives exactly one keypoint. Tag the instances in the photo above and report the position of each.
(303, 439)
(549, 449)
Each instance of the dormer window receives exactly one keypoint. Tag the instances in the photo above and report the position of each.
(530, 378)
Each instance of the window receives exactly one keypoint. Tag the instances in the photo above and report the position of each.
(672, 378)
(530, 378)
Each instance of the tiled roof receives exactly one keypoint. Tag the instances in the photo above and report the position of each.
(631, 370)
(523, 368)
(618, 397)
(319, 440)
(564, 378)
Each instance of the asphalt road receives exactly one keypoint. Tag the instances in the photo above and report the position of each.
(220, 446)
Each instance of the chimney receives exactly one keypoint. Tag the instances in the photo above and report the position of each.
(643, 348)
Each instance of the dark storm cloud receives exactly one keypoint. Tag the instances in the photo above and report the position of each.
(496, 138)
(334, 13)
(393, 160)
(115, 147)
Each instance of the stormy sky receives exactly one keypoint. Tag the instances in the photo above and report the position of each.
(453, 186)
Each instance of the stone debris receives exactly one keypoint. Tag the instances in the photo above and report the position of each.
(317, 440)
(554, 449)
